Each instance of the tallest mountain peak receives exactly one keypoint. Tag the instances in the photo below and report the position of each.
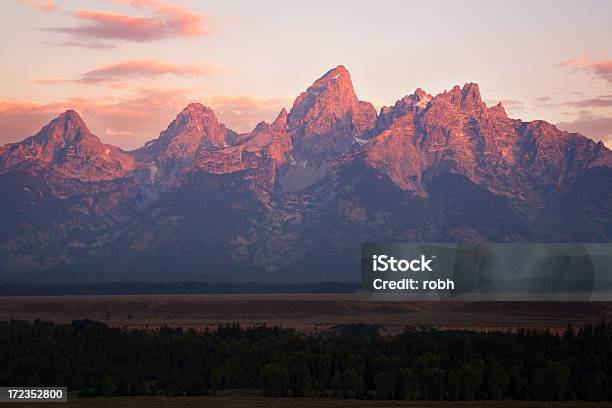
(336, 72)
(332, 95)
(336, 77)
(324, 122)
(329, 101)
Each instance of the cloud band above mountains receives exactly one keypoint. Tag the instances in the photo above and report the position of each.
(162, 20)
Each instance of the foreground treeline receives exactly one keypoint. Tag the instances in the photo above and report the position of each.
(351, 362)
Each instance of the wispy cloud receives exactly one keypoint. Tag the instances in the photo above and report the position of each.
(113, 132)
(596, 127)
(50, 81)
(575, 62)
(82, 43)
(117, 74)
(601, 69)
(601, 102)
(142, 69)
(543, 100)
(97, 29)
(45, 5)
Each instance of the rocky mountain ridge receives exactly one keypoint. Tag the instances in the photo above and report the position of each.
(296, 198)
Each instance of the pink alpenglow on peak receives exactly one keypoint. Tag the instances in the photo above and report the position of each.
(196, 127)
(67, 146)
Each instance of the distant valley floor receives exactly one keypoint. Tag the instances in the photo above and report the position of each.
(305, 312)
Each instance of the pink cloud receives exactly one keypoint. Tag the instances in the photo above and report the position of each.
(113, 132)
(83, 43)
(141, 69)
(118, 75)
(50, 81)
(163, 20)
(575, 62)
(48, 5)
(601, 102)
(602, 69)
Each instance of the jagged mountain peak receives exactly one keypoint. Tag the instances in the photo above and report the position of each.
(419, 98)
(65, 128)
(67, 145)
(196, 108)
(470, 93)
(312, 185)
(419, 92)
(412, 103)
(71, 115)
(195, 114)
(195, 127)
(332, 95)
(498, 110)
(281, 119)
(324, 123)
(338, 76)
(467, 97)
(328, 103)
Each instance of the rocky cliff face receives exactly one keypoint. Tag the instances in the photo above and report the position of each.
(263, 149)
(294, 199)
(326, 121)
(455, 132)
(195, 129)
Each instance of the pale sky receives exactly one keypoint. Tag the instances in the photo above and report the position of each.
(129, 66)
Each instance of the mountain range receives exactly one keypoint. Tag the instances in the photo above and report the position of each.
(294, 200)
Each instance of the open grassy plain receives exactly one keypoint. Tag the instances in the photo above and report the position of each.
(307, 312)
